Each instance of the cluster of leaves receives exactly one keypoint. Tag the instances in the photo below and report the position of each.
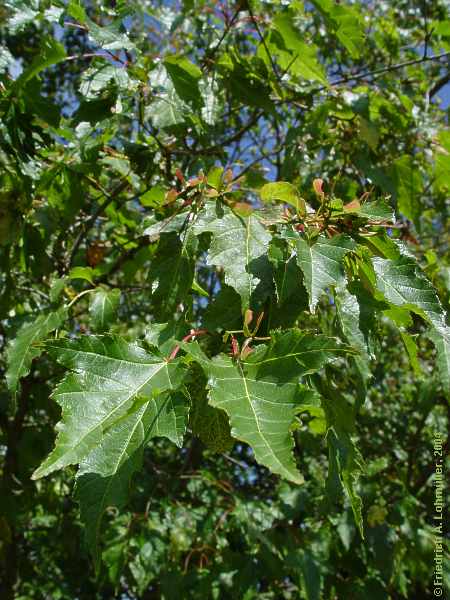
(173, 267)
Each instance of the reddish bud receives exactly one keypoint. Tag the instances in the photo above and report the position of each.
(180, 176)
(317, 185)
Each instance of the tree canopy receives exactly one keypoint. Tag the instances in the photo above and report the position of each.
(224, 294)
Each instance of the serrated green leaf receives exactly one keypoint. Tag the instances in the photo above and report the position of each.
(345, 23)
(411, 349)
(104, 476)
(95, 79)
(260, 412)
(375, 211)
(103, 306)
(76, 10)
(322, 264)
(172, 273)
(56, 288)
(174, 223)
(167, 110)
(239, 246)
(402, 284)
(291, 295)
(440, 336)
(349, 316)
(346, 465)
(292, 354)
(110, 377)
(21, 351)
(23, 15)
(109, 37)
(284, 192)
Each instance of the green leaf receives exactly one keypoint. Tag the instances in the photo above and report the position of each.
(104, 475)
(174, 223)
(111, 378)
(322, 264)
(346, 465)
(349, 30)
(349, 316)
(154, 197)
(56, 288)
(103, 306)
(196, 287)
(409, 187)
(86, 273)
(239, 246)
(291, 295)
(402, 284)
(374, 211)
(283, 192)
(185, 76)
(95, 79)
(305, 62)
(76, 10)
(172, 273)
(292, 354)
(22, 350)
(440, 336)
(167, 110)
(109, 37)
(260, 412)
(51, 53)
(224, 311)
(164, 336)
(411, 349)
(345, 23)
(22, 16)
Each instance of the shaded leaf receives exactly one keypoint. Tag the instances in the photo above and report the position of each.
(104, 475)
(172, 274)
(22, 350)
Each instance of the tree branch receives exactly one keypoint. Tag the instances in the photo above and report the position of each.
(82, 234)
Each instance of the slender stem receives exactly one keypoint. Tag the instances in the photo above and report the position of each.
(187, 338)
(78, 296)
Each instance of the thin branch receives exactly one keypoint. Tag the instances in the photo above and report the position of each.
(387, 69)
(440, 83)
(82, 234)
(263, 41)
(209, 57)
(366, 74)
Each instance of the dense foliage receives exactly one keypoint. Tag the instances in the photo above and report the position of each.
(225, 281)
